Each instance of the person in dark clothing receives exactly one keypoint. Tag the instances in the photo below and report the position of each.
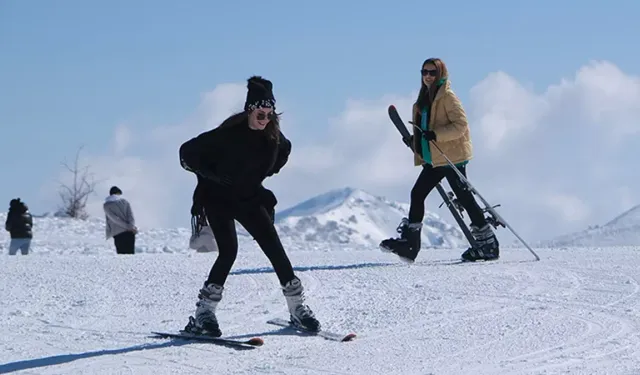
(439, 118)
(19, 224)
(231, 162)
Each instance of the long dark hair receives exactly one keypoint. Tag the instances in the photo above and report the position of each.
(426, 95)
(272, 130)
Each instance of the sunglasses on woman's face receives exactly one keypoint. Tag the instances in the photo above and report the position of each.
(427, 72)
(263, 116)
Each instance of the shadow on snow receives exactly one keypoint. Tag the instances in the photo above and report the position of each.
(329, 267)
(67, 358)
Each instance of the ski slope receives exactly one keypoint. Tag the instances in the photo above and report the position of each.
(574, 312)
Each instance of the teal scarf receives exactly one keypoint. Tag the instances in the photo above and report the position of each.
(424, 125)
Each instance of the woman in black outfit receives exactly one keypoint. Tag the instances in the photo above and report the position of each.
(19, 224)
(231, 162)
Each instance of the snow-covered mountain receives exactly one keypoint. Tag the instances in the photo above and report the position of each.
(623, 230)
(353, 216)
(344, 216)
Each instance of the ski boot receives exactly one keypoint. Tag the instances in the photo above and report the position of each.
(408, 245)
(488, 246)
(300, 314)
(205, 322)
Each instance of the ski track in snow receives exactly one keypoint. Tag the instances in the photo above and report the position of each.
(574, 312)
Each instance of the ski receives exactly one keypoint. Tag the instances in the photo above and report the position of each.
(448, 199)
(322, 333)
(252, 342)
(496, 219)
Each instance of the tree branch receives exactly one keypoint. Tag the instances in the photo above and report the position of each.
(74, 196)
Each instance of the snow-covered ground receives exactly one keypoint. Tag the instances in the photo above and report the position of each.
(576, 311)
(76, 308)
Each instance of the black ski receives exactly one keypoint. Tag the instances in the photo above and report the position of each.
(448, 199)
(495, 219)
(252, 342)
(322, 333)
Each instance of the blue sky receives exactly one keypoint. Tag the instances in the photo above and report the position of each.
(71, 71)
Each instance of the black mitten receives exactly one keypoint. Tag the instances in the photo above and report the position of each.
(408, 141)
(429, 135)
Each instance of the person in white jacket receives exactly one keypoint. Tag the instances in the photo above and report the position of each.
(120, 222)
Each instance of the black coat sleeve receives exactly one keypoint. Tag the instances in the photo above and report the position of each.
(284, 150)
(198, 153)
(8, 223)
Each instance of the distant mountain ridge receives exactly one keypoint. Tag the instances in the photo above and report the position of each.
(623, 230)
(354, 216)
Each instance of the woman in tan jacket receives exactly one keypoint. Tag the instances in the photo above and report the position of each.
(438, 117)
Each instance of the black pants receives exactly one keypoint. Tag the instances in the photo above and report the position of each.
(427, 181)
(257, 221)
(125, 242)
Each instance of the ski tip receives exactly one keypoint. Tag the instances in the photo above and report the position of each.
(255, 341)
(349, 337)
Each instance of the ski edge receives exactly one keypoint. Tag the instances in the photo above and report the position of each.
(322, 333)
(253, 342)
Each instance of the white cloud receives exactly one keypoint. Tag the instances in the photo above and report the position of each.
(571, 208)
(503, 109)
(551, 159)
(150, 174)
(122, 139)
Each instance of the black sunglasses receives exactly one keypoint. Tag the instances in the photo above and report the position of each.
(263, 116)
(431, 72)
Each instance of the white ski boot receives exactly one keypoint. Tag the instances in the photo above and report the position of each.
(205, 321)
(300, 314)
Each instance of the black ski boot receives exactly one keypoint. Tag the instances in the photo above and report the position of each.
(488, 246)
(407, 246)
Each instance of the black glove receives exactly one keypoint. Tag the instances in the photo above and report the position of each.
(429, 135)
(219, 179)
(408, 141)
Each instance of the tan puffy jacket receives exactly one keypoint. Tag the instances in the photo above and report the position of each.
(448, 121)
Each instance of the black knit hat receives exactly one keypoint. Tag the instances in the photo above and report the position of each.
(259, 94)
(115, 190)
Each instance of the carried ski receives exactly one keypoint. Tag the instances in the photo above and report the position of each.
(495, 218)
(252, 342)
(448, 199)
(322, 333)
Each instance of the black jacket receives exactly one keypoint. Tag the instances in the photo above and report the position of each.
(242, 155)
(19, 221)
